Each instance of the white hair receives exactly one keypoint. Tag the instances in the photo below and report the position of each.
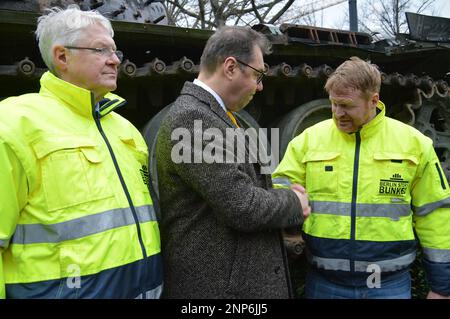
(64, 27)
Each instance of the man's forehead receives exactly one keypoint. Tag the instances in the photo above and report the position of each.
(97, 32)
(98, 41)
(258, 58)
(344, 93)
(259, 65)
(343, 89)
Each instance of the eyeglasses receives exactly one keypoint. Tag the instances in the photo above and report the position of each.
(261, 74)
(106, 52)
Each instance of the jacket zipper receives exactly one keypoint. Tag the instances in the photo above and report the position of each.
(354, 198)
(122, 181)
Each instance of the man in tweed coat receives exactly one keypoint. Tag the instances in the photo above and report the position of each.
(221, 222)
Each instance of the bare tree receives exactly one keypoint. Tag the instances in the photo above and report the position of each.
(308, 13)
(387, 17)
(209, 14)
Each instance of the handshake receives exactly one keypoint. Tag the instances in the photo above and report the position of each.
(300, 191)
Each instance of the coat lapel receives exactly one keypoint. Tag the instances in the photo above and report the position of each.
(206, 98)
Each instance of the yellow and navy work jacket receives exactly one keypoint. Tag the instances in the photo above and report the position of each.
(368, 191)
(76, 217)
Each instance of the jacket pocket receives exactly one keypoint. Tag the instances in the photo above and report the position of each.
(394, 172)
(237, 281)
(72, 171)
(137, 165)
(441, 175)
(322, 172)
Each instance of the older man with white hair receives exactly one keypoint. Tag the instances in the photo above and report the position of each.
(76, 217)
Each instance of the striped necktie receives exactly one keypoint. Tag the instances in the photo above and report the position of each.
(233, 119)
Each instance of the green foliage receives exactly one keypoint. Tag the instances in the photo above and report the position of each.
(297, 268)
(419, 284)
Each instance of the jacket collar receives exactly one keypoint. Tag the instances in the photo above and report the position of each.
(108, 104)
(213, 93)
(77, 98)
(369, 128)
(207, 98)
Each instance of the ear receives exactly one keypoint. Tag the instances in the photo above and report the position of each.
(59, 56)
(374, 99)
(229, 67)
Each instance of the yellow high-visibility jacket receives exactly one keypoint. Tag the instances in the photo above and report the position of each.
(368, 191)
(76, 217)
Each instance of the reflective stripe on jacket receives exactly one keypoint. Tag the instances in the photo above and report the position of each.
(76, 216)
(367, 190)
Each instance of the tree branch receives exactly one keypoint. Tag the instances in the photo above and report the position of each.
(182, 9)
(258, 16)
(281, 12)
(201, 6)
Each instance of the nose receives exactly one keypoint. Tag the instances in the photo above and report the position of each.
(338, 111)
(113, 59)
(259, 86)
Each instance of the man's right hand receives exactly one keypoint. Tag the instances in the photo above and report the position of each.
(300, 191)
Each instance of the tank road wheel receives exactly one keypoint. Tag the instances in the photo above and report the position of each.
(433, 120)
(150, 132)
(247, 120)
(304, 116)
(291, 125)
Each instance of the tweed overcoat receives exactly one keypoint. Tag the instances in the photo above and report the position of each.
(220, 222)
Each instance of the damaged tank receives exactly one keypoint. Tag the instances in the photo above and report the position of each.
(159, 58)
